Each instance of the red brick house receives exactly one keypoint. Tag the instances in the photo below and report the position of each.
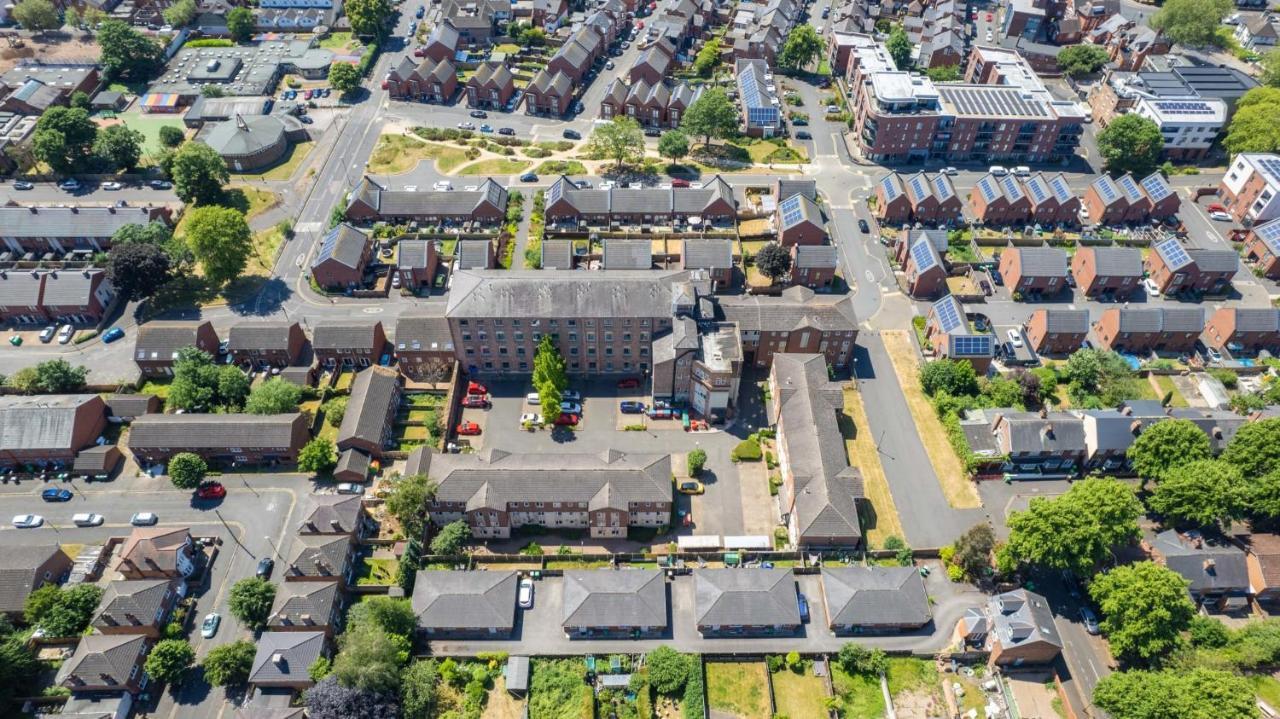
(892, 204)
(428, 81)
(1145, 330)
(1246, 330)
(926, 273)
(491, 86)
(369, 421)
(424, 347)
(572, 59)
(26, 568)
(999, 201)
(341, 260)
(49, 427)
(348, 343)
(1175, 268)
(712, 255)
(1164, 201)
(20, 294)
(1052, 201)
(1262, 247)
(443, 42)
(158, 343)
(79, 297)
(1034, 269)
(1102, 270)
(549, 93)
(800, 222)
(947, 329)
(157, 553)
(221, 438)
(1139, 205)
(266, 344)
(814, 266)
(107, 663)
(371, 202)
(1104, 203)
(933, 200)
(1054, 331)
(652, 66)
(416, 262)
(136, 607)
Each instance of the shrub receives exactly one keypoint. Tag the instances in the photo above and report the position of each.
(1225, 376)
(696, 459)
(748, 450)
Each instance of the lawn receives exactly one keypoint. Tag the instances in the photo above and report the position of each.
(396, 154)
(250, 200)
(496, 166)
(561, 167)
(860, 695)
(413, 433)
(423, 399)
(377, 571)
(266, 245)
(288, 165)
(1267, 689)
(738, 689)
(159, 388)
(762, 152)
(799, 694)
(956, 486)
(337, 41)
(502, 705)
(880, 518)
(558, 690)
(913, 676)
(149, 126)
(1167, 387)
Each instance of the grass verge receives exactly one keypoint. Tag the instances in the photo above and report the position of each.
(859, 695)
(880, 520)
(396, 154)
(284, 169)
(495, 166)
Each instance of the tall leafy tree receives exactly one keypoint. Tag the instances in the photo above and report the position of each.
(802, 48)
(1076, 530)
(367, 17)
(407, 502)
(620, 140)
(250, 601)
(708, 58)
(199, 174)
(955, 377)
(1082, 59)
(57, 376)
(899, 47)
(152, 233)
(712, 115)
(973, 550)
(668, 670)
(1203, 493)
(673, 145)
(275, 396)
(64, 138)
(187, 470)
(1255, 127)
(220, 239)
(181, 13)
(136, 271)
(240, 23)
(169, 660)
(773, 261)
(391, 615)
(1192, 22)
(125, 52)
(318, 456)
(548, 365)
(1167, 445)
(1145, 610)
(370, 660)
(121, 146)
(451, 538)
(1131, 143)
(37, 16)
(1255, 448)
(1195, 694)
(229, 664)
(344, 77)
(418, 690)
(171, 136)
(1262, 496)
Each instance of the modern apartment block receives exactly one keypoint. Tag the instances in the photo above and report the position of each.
(1251, 188)
(1002, 112)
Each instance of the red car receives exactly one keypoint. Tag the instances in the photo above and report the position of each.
(476, 388)
(628, 383)
(475, 400)
(567, 420)
(1217, 207)
(988, 17)
(420, 52)
(679, 183)
(211, 490)
(468, 428)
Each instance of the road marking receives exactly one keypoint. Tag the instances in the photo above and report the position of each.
(371, 310)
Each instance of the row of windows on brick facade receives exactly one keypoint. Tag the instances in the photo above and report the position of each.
(501, 336)
(573, 351)
(574, 366)
(499, 322)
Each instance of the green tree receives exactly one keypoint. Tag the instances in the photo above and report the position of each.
(391, 615)
(121, 146)
(275, 396)
(57, 376)
(199, 174)
(64, 138)
(126, 53)
(79, 98)
(39, 602)
(24, 380)
(418, 690)
(367, 17)
(533, 37)
(233, 386)
(1203, 493)
(945, 73)
(407, 502)
(320, 669)
(1167, 445)
(451, 538)
(1195, 694)
(37, 16)
(334, 410)
(136, 271)
(229, 664)
(712, 115)
(974, 549)
(1262, 496)
(620, 140)
(72, 609)
(318, 456)
(1082, 59)
(1255, 448)
(18, 666)
(240, 23)
(802, 48)
(899, 47)
(219, 237)
(181, 13)
(673, 145)
(1002, 392)
(1145, 609)
(773, 261)
(152, 233)
(549, 402)
(668, 670)
(1076, 530)
(1192, 22)
(250, 601)
(187, 470)
(171, 136)
(707, 60)
(955, 377)
(195, 381)
(370, 659)
(548, 365)
(71, 18)
(857, 659)
(696, 460)
(169, 660)
(1131, 143)
(344, 77)
(1255, 126)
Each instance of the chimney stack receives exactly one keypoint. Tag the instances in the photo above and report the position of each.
(277, 658)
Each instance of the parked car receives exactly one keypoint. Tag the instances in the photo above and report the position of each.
(112, 335)
(692, 486)
(571, 395)
(47, 334)
(950, 171)
(631, 407)
(211, 490)
(69, 185)
(567, 420)
(529, 177)
(986, 287)
(998, 170)
(678, 182)
(1022, 171)
(486, 127)
(28, 521)
(525, 594)
(1015, 337)
(530, 418)
(996, 277)
(209, 626)
(1217, 207)
(1090, 621)
(532, 398)
(112, 186)
(628, 383)
(506, 131)
(802, 604)
(863, 227)
(65, 334)
(466, 126)
(571, 407)
(1220, 216)
(1214, 355)
(468, 428)
(476, 388)
(23, 185)
(265, 565)
(144, 519)
(54, 494)
(87, 519)
(160, 184)
(476, 401)
(1151, 287)
(571, 135)
(350, 488)
(804, 135)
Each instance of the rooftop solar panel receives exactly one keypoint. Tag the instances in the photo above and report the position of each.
(890, 187)
(1271, 166)
(1184, 108)
(1157, 189)
(1106, 189)
(1129, 188)
(987, 187)
(1011, 187)
(1173, 253)
(942, 188)
(1038, 190)
(922, 253)
(918, 189)
(1060, 188)
(1268, 232)
(948, 313)
(971, 346)
(791, 210)
(556, 192)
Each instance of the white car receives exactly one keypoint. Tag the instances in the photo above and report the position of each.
(210, 625)
(530, 418)
(144, 519)
(532, 398)
(350, 488)
(87, 519)
(997, 170)
(1015, 337)
(1214, 355)
(410, 188)
(442, 186)
(1153, 290)
(525, 595)
(112, 186)
(28, 521)
(1219, 216)
(950, 171)
(471, 188)
(1022, 171)
(606, 184)
(65, 334)
(570, 408)
(70, 184)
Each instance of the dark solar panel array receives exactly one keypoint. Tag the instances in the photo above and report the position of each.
(1185, 108)
(1157, 189)
(922, 253)
(1173, 253)
(791, 211)
(948, 313)
(1107, 189)
(986, 187)
(971, 345)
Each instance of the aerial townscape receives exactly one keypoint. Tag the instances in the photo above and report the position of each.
(639, 359)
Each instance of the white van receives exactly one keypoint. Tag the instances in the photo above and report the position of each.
(997, 170)
(1022, 171)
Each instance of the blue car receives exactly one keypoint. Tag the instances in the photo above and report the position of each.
(631, 407)
(53, 494)
(112, 335)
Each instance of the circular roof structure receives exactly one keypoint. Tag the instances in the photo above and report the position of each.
(246, 136)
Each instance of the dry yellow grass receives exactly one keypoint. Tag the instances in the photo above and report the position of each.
(502, 705)
(882, 520)
(956, 485)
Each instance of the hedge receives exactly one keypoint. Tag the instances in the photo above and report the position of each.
(748, 450)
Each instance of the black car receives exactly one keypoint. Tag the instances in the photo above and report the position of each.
(506, 131)
(481, 114)
(862, 225)
(986, 287)
(652, 132)
(996, 277)
(571, 135)
(804, 135)
(265, 566)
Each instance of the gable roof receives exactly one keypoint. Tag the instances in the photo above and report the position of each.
(285, 657)
(42, 422)
(1066, 321)
(430, 203)
(1056, 432)
(1207, 563)
(1042, 261)
(344, 245)
(161, 340)
(330, 514)
(627, 255)
(601, 598)
(745, 597)
(449, 599)
(875, 596)
(1117, 261)
(260, 336)
(708, 254)
(561, 293)
(557, 254)
(213, 431)
(318, 555)
(796, 308)
(156, 547)
(474, 254)
(18, 565)
(1022, 617)
(373, 392)
(345, 335)
(816, 257)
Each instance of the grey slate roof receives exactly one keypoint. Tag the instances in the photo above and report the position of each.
(809, 213)
(1182, 319)
(318, 555)
(40, 422)
(71, 289)
(1215, 260)
(708, 254)
(1021, 617)
(212, 431)
(875, 596)
(1117, 261)
(103, 659)
(787, 188)
(826, 486)
(352, 460)
(324, 510)
(259, 336)
(561, 293)
(162, 340)
(423, 333)
(413, 254)
(343, 244)
(816, 257)
(615, 598)
(1042, 261)
(1033, 434)
(372, 394)
(296, 603)
(473, 254)
(627, 255)
(795, 308)
(285, 657)
(1212, 566)
(1067, 321)
(21, 290)
(745, 597)
(448, 599)
(345, 335)
(430, 203)
(129, 405)
(1109, 430)
(1256, 319)
(70, 222)
(132, 602)
(18, 565)
(557, 254)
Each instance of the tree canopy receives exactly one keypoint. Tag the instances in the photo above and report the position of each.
(620, 140)
(973, 550)
(1131, 143)
(1203, 493)
(220, 239)
(198, 173)
(200, 385)
(64, 139)
(407, 502)
(229, 664)
(137, 270)
(180, 14)
(186, 470)
(120, 146)
(712, 115)
(1194, 694)
(57, 376)
(955, 377)
(275, 396)
(859, 659)
(899, 47)
(1167, 445)
(802, 48)
(37, 15)
(330, 700)
(1192, 22)
(418, 693)
(668, 670)
(63, 611)
(367, 17)
(708, 58)
(369, 659)
(344, 77)
(391, 615)
(317, 456)
(250, 601)
(1255, 126)
(169, 660)
(1145, 609)
(240, 23)
(451, 538)
(673, 145)
(1078, 529)
(1082, 59)
(773, 261)
(1255, 448)
(126, 53)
